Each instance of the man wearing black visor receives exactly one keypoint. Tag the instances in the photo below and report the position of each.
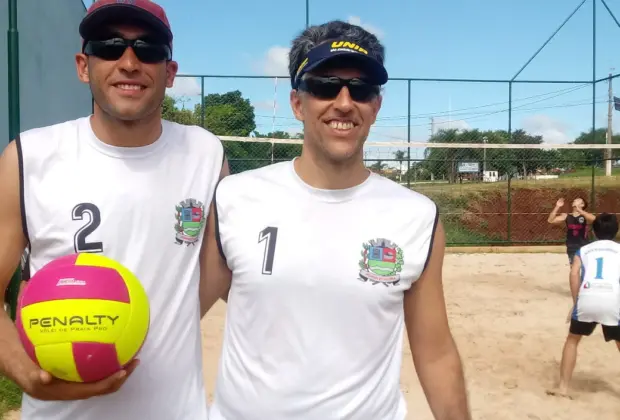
(326, 263)
(125, 184)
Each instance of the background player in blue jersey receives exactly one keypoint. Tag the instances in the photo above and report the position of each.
(576, 224)
(595, 287)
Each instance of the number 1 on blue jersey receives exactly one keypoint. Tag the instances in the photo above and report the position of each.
(599, 269)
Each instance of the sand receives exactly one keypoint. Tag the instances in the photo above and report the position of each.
(507, 313)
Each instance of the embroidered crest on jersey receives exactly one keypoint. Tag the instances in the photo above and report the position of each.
(190, 215)
(382, 261)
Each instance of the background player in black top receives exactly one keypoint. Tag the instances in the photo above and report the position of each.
(576, 224)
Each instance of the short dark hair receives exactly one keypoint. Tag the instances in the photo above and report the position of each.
(605, 226)
(315, 35)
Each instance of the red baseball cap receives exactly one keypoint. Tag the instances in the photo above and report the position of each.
(110, 11)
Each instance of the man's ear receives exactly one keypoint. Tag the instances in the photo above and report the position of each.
(81, 65)
(297, 104)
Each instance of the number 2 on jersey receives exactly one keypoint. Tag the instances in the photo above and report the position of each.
(599, 269)
(94, 215)
(270, 235)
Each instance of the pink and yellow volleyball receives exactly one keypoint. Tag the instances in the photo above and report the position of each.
(83, 317)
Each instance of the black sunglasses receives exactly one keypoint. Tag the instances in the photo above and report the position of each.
(114, 48)
(330, 87)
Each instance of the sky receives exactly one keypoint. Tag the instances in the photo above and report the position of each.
(447, 39)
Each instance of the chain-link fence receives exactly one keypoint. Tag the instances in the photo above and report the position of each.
(493, 154)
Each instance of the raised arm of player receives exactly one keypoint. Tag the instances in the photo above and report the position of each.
(555, 218)
(435, 355)
(215, 277)
(589, 216)
(14, 362)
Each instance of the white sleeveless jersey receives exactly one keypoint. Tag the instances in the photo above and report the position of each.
(599, 292)
(314, 325)
(144, 207)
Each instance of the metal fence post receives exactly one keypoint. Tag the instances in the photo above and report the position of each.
(510, 110)
(14, 123)
(509, 210)
(592, 191)
(409, 133)
(202, 101)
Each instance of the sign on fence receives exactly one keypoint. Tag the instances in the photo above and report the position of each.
(469, 167)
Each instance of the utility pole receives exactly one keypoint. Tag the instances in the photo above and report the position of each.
(484, 155)
(609, 129)
(432, 126)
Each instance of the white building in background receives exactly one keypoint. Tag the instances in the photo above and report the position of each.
(50, 91)
(490, 176)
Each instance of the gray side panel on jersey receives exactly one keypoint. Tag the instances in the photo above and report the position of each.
(217, 220)
(25, 263)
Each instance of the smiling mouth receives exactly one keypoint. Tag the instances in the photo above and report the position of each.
(341, 125)
(129, 87)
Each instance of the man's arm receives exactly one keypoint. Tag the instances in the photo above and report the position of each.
(14, 362)
(215, 277)
(434, 351)
(555, 218)
(588, 216)
(575, 276)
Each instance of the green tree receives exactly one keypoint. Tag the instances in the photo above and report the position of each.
(594, 156)
(227, 114)
(526, 161)
(399, 155)
(283, 151)
(171, 112)
(230, 114)
(443, 162)
(378, 166)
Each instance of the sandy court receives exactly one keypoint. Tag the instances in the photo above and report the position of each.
(507, 313)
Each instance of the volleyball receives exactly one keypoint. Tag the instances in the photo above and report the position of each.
(83, 317)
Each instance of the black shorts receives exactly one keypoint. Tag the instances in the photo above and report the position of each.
(571, 256)
(587, 328)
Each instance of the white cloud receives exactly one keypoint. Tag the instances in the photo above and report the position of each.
(552, 131)
(184, 86)
(274, 62)
(356, 20)
(265, 105)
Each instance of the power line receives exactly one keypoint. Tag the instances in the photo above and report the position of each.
(555, 93)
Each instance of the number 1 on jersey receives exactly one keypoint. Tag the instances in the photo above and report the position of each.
(270, 235)
(599, 269)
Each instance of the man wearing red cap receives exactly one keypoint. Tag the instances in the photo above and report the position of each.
(126, 184)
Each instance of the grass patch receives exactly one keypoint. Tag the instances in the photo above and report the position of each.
(433, 189)
(10, 396)
(587, 172)
(457, 235)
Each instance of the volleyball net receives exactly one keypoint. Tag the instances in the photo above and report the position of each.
(488, 193)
